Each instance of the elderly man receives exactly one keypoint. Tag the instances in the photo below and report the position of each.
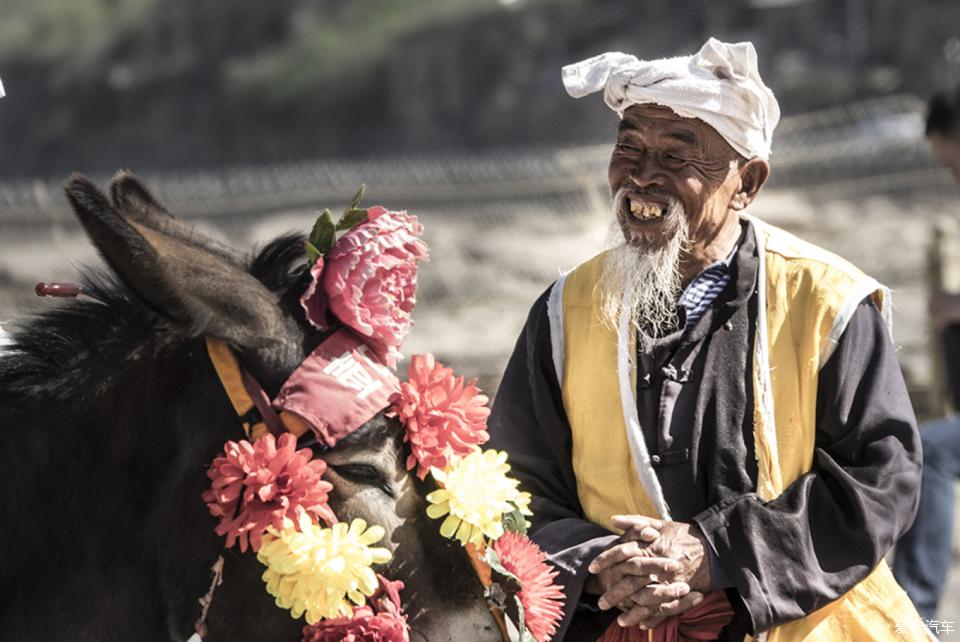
(710, 416)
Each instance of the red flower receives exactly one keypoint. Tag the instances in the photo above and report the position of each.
(266, 484)
(380, 621)
(314, 301)
(444, 418)
(541, 598)
(369, 280)
(387, 598)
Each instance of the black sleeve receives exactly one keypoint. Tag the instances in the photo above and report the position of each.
(529, 422)
(832, 526)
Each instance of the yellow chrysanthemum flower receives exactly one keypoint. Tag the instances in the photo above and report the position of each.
(318, 570)
(474, 495)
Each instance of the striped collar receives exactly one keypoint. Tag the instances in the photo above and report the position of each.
(705, 288)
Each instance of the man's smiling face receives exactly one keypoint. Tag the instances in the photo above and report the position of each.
(660, 157)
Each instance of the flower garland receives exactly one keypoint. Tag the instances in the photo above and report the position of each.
(541, 600)
(481, 505)
(381, 619)
(444, 417)
(264, 485)
(271, 497)
(322, 572)
(475, 494)
(367, 278)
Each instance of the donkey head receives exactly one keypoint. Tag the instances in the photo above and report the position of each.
(198, 288)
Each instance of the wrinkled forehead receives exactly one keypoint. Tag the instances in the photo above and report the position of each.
(658, 121)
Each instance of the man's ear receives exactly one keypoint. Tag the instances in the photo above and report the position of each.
(753, 174)
(198, 288)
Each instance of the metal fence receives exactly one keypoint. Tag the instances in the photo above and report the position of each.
(859, 141)
(502, 223)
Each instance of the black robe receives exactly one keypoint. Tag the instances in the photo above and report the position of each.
(779, 560)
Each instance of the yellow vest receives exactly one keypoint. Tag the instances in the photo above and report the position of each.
(806, 297)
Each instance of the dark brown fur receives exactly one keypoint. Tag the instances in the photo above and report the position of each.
(111, 413)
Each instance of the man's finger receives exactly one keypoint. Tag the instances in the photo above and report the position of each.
(621, 552)
(642, 591)
(652, 595)
(654, 570)
(651, 618)
(613, 556)
(637, 522)
(647, 534)
(634, 616)
(659, 595)
(621, 590)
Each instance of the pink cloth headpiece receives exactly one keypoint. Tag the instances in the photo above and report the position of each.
(338, 388)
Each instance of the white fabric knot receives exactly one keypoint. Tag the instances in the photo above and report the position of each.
(720, 85)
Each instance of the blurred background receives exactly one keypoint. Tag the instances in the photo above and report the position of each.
(247, 116)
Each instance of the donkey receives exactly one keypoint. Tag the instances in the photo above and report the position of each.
(111, 413)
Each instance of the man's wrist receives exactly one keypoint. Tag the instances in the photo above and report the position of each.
(702, 579)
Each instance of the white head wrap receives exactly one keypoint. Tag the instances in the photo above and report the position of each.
(720, 85)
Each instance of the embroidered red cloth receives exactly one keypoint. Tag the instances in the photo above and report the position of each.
(338, 387)
(702, 622)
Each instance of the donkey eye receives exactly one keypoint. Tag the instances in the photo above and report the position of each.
(364, 474)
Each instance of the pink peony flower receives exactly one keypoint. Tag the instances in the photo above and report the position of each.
(267, 483)
(380, 621)
(369, 280)
(541, 598)
(314, 301)
(444, 418)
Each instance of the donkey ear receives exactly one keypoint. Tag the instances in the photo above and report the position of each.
(199, 289)
(135, 204)
(129, 194)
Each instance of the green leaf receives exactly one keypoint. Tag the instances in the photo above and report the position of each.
(515, 521)
(356, 199)
(315, 231)
(351, 218)
(312, 253)
(491, 558)
(509, 585)
(324, 232)
(525, 635)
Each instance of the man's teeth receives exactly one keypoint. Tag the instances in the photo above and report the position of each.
(645, 212)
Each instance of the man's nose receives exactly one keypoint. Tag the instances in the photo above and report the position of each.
(646, 173)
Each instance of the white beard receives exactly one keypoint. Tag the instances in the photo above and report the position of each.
(644, 282)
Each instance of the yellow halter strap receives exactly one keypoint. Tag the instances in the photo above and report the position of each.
(231, 377)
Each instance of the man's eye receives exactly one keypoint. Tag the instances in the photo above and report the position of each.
(363, 474)
(630, 149)
(672, 158)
